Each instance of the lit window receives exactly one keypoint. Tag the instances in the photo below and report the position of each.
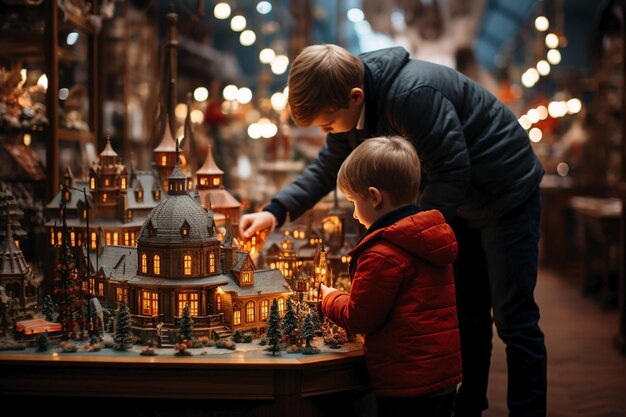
(92, 183)
(265, 308)
(216, 181)
(104, 197)
(249, 312)
(121, 294)
(123, 184)
(156, 260)
(126, 239)
(144, 263)
(59, 238)
(106, 182)
(72, 239)
(281, 306)
(236, 314)
(94, 240)
(107, 238)
(218, 302)
(188, 298)
(149, 303)
(100, 289)
(115, 238)
(164, 160)
(203, 181)
(187, 265)
(246, 277)
(212, 262)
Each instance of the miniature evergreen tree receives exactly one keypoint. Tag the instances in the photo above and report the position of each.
(186, 325)
(273, 328)
(48, 309)
(122, 338)
(308, 330)
(290, 322)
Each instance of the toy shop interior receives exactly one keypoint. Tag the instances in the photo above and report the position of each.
(124, 124)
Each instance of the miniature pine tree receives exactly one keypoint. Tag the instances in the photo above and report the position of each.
(122, 339)
(290, 322)
(186, 325)
(49, 310)
(273, 328)
(308, 330)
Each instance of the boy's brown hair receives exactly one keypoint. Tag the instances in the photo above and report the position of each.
(390, 164)
(320, 79)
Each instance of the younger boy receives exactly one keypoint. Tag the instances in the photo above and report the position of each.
(402, 296)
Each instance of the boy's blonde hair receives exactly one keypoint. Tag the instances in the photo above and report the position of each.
(390, 164)
(320, 79)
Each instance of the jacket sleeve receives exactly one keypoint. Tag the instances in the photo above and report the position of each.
(315, 182)
(427, 118)
(375, 285)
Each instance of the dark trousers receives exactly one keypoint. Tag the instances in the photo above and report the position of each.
(496, 273)
(431, 406)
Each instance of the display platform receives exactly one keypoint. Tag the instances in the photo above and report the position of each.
(248, 381)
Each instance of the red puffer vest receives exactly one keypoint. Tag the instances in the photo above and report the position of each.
(402, 300)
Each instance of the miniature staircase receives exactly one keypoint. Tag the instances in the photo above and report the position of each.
(164, 340)
(222, 332)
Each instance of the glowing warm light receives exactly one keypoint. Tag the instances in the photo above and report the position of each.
(543, 112)
(554, 56)
(27, 139)
(552, 41)
(230, 92)
(267, 55)
(280, 64)
(244, 95)
(43, 82)
(279, 101)
(543, 67)
(221, 11)
(535, 134)
(197, 116)
(574, 105)
(562, 169)
(200, 94)
(533, 116)
(254, 131)
(557, 109)
(523, 120)
(542, 23)
(180, 110)
(247, 37)
(530, 77)
(238, 23)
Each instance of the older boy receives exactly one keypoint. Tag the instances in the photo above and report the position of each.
(480, 172)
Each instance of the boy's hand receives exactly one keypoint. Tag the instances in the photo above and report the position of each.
(251, 223)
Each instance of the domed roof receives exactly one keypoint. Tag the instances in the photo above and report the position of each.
(166, 221)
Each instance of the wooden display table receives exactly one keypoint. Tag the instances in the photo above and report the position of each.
(232, 384)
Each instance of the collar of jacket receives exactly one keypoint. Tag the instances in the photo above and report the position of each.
(384, 221)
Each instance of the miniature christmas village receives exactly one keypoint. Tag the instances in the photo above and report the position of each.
(151, 262)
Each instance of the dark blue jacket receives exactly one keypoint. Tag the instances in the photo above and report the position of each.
(477, 161)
